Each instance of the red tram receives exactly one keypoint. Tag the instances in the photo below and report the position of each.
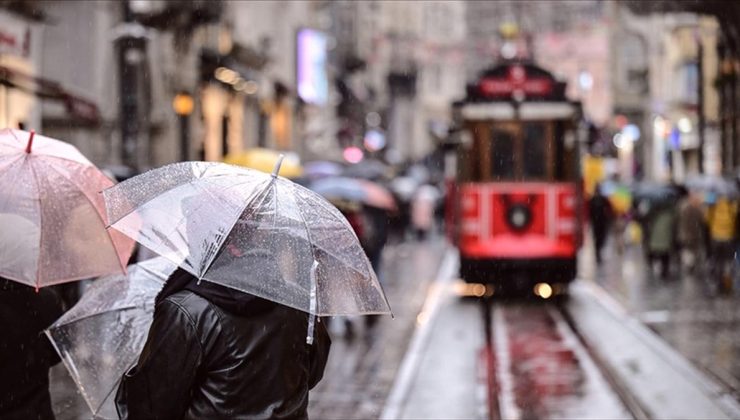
(515, 206)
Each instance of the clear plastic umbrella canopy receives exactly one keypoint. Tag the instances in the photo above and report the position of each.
(251, 231)
(52, 215)
(103, 334)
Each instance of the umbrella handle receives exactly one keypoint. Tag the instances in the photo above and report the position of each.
(30, 141)
(277, 165)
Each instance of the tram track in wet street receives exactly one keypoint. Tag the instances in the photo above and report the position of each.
(535, 365)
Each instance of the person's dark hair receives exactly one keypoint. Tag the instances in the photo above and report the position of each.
(681, 190)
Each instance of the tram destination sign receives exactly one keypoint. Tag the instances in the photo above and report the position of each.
(517, 81)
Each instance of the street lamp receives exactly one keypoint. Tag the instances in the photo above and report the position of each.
(183, 105)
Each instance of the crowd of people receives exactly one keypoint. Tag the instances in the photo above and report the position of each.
(694, 230)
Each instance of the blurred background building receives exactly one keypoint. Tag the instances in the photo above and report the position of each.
(142, 82)
(400, 61)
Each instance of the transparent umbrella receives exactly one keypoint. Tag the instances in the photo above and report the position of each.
(720, 186)
(50, 199)
(212, 219)
(103, 334)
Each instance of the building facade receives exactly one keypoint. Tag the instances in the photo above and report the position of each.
(412, 56)
(142, 83)
(666, 66)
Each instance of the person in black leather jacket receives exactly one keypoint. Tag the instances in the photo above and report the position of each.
(214, 352)
(25, 353)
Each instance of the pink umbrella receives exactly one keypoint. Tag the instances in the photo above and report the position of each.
(52, 215)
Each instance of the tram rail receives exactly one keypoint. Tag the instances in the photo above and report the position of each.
(537, 365)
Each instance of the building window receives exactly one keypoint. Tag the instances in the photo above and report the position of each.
(687, 89)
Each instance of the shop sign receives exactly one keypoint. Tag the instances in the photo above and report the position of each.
(15, 36)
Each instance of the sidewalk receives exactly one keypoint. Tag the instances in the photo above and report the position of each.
(653, 379)
(437, 380)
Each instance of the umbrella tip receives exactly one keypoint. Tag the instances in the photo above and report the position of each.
(279, 162)
(30, 141)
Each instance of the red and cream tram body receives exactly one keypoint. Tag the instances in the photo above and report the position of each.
(516, 199)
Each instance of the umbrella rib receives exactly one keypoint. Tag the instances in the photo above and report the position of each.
(313, 255)
(260, 195)
(121, 309)
(41, 219)
(71, 369)
(100, 217)
(153, 197)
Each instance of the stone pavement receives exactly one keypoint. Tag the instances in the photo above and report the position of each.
(685, 310)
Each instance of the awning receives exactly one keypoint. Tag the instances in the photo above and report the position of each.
(79, 108)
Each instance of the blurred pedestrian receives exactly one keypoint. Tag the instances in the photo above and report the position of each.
(692, 231)
(721, 219)
(423, 207)
(25, 353)
(215, 352)
(661, 237)
(601, 216)
(373, 237)
(352, 211)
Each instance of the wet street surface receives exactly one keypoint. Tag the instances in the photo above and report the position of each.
(684, 309)
(538, 368)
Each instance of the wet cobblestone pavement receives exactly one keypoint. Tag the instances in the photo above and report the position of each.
(684, 309)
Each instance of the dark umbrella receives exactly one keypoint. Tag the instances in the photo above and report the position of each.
(321, 169)
(357, 190)
(655, 193)
(371, 169)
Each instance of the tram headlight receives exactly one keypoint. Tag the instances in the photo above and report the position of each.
(543, 290)
(519, 216)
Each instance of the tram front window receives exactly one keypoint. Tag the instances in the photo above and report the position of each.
(534, 156)
(506, 151)
(503, 155)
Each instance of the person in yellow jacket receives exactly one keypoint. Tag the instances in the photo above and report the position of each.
(721, 220)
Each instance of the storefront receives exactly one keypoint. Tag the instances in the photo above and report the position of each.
(19, 59)
(21, 89)
(230, 97)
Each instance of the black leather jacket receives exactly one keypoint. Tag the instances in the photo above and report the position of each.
(25, 353)
(201, 361)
